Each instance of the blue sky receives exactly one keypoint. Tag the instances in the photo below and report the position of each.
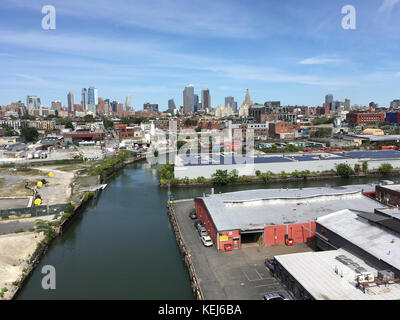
(295, 51)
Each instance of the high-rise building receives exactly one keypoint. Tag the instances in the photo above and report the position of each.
(93, 96)
(34, 100)
(329, 99)
(128, 103)
(347, 104)
(232, 103)
(205, 99)
(188, 99)
(70, 98)
(196, 103)
(56, 105)
(171, 106)
(100, 107)
(107, 107)
(84, 99)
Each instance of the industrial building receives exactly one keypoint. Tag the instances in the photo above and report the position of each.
(332, 275)
(264, 217)
(205, 165)
(361, 261)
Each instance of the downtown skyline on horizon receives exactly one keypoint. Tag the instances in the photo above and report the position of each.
(286, 52)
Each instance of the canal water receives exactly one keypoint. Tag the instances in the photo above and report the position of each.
(123, 247)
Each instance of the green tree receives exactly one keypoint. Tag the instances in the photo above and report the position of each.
(357, 168)
(365, 166)
(29, 134)
(385, 169)
(344, 170)
(265, 176)
(220, 177)
(107, 123)
(233, 176)
(69, 125)
(165, 171)
(88, 118)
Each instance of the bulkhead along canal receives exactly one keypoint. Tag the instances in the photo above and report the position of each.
(123, 247)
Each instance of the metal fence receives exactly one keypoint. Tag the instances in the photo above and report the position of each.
(34, 211)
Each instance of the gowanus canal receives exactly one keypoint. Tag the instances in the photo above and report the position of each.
(123, 246)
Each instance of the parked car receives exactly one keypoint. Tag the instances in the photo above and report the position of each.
(202, 231)
(197, 224)
(274, 296)
(206, 241)
(269, 263)
(192, 215)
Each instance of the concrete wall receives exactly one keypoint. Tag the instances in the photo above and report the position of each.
(206, 171)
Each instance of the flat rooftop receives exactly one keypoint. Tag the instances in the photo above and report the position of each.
(315, 271)
(227, 159)
(255, 209)
(378, 240)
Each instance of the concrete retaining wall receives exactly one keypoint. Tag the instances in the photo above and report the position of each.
(206, 171)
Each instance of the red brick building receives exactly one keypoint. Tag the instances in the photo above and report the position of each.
(365, 118)
(282, 130)
(126, 132)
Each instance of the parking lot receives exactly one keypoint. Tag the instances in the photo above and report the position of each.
(239, 274)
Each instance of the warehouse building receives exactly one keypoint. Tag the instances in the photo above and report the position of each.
(362, 260)
(372, 235)
(205, 165)
(333, 275)
(264, 217)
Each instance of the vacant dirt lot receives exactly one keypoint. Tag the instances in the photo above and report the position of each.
(15, 250)
(56, 190)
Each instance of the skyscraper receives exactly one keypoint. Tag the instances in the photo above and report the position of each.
(92, 96)
(232, 103)
(205, 99)
(171, 106)
(188, 99)
(347, 104)
(70, 98)
(84, 99)
(34, 100)
(196, 103)
(128, 103)
(329, 100)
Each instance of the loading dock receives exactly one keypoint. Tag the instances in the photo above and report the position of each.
(252, 238)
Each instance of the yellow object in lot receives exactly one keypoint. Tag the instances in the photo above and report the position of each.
(51, 174)
(37, 202)
(39, 183)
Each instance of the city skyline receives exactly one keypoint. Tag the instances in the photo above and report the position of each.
(312, 55)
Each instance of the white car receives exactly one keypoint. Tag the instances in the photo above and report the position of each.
(206, 241)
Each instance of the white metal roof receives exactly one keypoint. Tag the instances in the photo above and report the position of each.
(378, 241)
(315, 271)
(255, 209)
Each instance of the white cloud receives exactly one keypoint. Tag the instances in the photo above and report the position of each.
(320, 60)
(388, 5)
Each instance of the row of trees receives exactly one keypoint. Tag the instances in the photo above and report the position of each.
(344, 170)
